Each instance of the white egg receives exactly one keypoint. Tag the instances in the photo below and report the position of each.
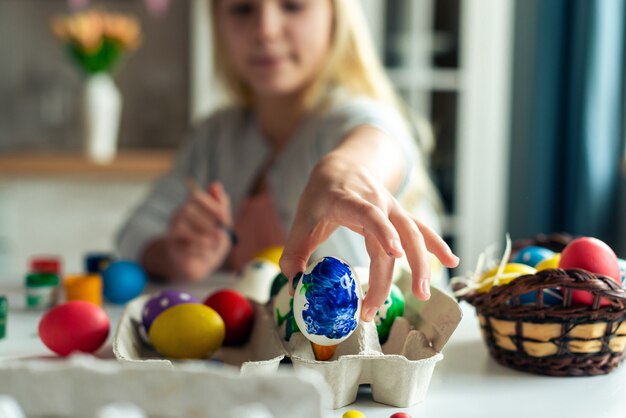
(256, 279)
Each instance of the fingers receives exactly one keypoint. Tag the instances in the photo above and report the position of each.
(416, 253)
(381, 271)
(204, 212)
(216, 190)
(436, 245)
(211, 206)
(301, 243)
(375, 222)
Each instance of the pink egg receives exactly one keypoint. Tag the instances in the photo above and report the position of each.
(74, 326)
(592, 255)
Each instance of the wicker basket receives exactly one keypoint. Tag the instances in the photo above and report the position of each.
(561, 340)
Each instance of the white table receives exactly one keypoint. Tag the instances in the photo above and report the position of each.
(467, 383)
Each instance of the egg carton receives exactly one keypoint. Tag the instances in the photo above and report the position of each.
(399, 371)
(84, 386)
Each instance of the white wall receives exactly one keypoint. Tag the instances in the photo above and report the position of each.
(68, 216)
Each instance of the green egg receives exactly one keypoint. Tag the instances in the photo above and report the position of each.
(391, 309)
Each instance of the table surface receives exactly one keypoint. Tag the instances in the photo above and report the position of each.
(466, 383)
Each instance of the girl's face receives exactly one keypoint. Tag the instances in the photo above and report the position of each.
(276, 46)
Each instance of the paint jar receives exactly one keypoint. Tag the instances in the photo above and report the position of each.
(4, 311)
(85, 287)
(96, 262)
(41, 290)
(45, 264)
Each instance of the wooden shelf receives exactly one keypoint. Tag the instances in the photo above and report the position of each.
(128, 164)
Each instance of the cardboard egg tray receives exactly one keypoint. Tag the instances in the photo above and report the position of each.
(399, 371)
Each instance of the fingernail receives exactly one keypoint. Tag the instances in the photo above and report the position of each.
(451, 254)
(296, 279)
(397, 245)
(369, 315)
(426, 287)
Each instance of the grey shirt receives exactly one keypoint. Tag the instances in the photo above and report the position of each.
(229, 147)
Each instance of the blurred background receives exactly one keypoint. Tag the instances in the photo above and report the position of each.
(526, 100)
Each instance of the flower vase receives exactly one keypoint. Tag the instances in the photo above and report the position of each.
(102, 112)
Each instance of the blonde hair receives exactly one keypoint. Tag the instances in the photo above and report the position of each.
(354, 66)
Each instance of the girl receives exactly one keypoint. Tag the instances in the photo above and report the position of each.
(313, 144)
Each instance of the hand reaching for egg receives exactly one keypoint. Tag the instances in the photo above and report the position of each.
(340, 194)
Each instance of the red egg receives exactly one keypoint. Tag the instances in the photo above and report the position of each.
(592, 255)
(237, 313)
(74, 326)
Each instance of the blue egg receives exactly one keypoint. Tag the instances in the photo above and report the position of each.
(622, 268)
(551, 297)
(122, 281)
(327, 301)
(532, 255)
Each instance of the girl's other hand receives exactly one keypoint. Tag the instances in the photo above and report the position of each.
(196, 241)
(339, 193)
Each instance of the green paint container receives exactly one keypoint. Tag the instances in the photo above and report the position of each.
(4, 311)
(41, 290)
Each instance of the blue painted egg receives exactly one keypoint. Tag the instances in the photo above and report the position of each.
(327, 301)
(532, 255)
(122, 281)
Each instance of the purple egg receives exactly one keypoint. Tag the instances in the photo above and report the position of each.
(161, 302)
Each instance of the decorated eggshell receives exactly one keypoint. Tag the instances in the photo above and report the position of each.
(279, 281)
(256, 279)
(161, 302)
(549, 263)
(392, 308)
(510, 272)
(187, 331)
(327, 301)
(592, 255)
(532, 255)
(282, 309)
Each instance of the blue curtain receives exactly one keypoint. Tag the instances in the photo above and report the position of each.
(567, 129)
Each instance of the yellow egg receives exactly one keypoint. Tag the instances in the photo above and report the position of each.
(187, 331)
(353, 414)
(549, 263)
(271, 254)
(510, 272)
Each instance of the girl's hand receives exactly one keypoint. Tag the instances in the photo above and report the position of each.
(196, 242)
(339, 193)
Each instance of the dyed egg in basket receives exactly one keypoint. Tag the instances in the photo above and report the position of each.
(622, 268)
(532, 255)
(327, 301)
